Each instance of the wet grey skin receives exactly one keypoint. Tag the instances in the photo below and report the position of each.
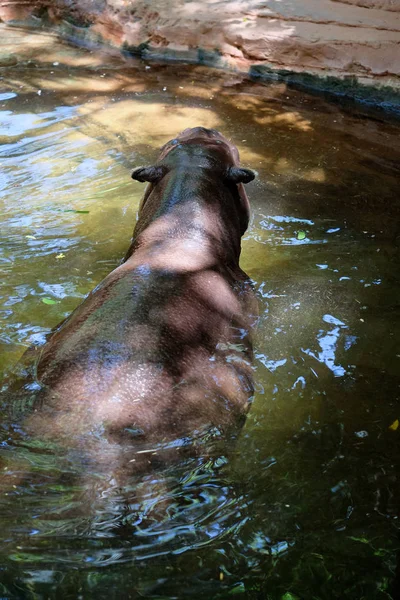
(161, 348)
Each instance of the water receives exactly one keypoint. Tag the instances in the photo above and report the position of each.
(305, 503)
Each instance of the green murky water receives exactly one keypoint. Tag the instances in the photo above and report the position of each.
(306, 504)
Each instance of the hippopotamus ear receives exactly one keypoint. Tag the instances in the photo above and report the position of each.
(151, 174)
(239, 175)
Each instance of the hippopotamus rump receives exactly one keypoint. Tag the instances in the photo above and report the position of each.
(161, 348)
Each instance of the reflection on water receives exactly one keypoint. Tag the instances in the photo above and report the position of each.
(305, 503)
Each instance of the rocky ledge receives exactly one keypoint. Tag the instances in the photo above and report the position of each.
(348, 47)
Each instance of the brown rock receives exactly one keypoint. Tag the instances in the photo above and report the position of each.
(393, 5)
(340, 38)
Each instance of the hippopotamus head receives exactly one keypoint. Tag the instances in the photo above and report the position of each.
(198, 162)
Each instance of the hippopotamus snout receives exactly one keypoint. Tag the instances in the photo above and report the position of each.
(201, 136)
(192, 132)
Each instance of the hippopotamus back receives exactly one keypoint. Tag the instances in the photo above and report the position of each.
(161, 348)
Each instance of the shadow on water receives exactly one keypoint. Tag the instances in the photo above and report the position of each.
(305, 503)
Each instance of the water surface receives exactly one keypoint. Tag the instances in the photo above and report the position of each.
(305, 503)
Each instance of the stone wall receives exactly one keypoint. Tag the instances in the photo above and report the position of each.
(393, 5)
(350, 40)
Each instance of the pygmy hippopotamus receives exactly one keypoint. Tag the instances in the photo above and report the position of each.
(161, 348)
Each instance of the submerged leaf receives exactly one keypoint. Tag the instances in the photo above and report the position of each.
(394, 425)
(238, 589)
(301, 235)
(61, 255)
(359, 539)
(80, 212)
(49, 301)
